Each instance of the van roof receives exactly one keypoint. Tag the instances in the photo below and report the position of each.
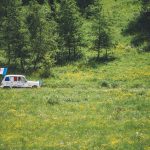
(14, 75)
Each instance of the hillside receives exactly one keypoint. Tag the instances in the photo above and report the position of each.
(103, 106)
(120, 13)
(87, 103)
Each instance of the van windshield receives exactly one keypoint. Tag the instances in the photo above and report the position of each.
(23, 79)
(7, 79)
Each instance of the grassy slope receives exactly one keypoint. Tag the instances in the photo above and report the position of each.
(75, 111)
(85, 105)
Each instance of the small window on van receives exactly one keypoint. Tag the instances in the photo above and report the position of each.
(19, 78)
(7, 79)
(15, 78)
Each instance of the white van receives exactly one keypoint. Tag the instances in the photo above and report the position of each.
(18, 81)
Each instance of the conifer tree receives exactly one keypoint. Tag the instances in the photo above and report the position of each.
(14, 34)
(84, 4)
(100, 29)
(43, 35)
(69, 27)
(2, 14)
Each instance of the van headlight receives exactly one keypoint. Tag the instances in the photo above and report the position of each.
(40, 83)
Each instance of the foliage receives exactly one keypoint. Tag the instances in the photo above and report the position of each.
(14, 34)
(28, 37)
(139, 28)
(101, 35)
(32, 30)
(47, 63)
(69, 28)
(83, 5)
(43, 35)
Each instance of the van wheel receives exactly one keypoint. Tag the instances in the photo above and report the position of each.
(7, 87)
(34, 86)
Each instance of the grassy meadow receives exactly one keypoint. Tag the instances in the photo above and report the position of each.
(82, 106)
(87, 104)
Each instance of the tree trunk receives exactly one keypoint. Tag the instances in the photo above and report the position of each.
(35, 63)
(22, 65)
(74, 50)
(98, 54)
(106, 55)
(69, 54)
(9, 54)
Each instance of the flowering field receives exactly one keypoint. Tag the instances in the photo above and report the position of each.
(105, 106)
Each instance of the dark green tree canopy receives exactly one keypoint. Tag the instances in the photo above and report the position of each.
(70, 23)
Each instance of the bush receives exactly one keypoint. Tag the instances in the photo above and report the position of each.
(53, 101)
(114, 85)
(105, 84)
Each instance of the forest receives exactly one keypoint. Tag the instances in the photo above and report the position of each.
(41, 34)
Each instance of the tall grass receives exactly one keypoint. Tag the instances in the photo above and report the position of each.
(100, 107)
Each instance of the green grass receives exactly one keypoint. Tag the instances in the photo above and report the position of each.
(74, 119)
(86, 104)
(83, 106)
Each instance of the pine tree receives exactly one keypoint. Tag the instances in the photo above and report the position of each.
(84, 4)
(100, 29)
(69, 27)
(43, 35)
(14, 34)
(2, 14)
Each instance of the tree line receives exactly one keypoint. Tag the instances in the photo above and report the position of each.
(40, 33)
(139, 28)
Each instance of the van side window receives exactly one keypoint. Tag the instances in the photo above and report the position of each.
(19, 78)
(23, 79)
(7, 79)
(15, 78)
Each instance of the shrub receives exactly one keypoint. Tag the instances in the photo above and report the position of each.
(53, 101)
(114, 85)
(105, 84)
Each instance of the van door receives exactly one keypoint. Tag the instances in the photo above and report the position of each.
(24, 82)
(14, 81)
(6, 82)
(21, 82)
